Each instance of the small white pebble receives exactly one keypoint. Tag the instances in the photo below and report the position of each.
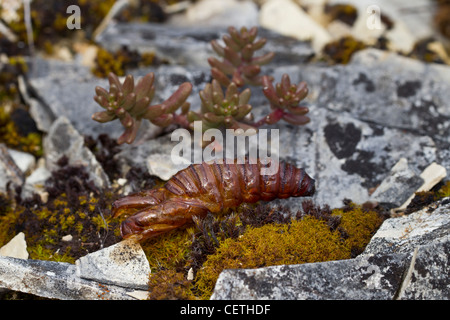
(121, 181)
(190, 275)
(67, 238)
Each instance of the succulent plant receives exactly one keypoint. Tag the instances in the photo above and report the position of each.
(221, 109)
(238, 61)
(131, 103)
(284, 100)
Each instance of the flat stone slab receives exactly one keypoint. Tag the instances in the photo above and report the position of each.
(368, 277)
(123, 264)
(428, 275)
(406, 259)
(10, 174)
(64, 139)
(55, 280)
(404, 234)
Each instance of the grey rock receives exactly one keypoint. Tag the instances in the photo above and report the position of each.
(427, 276)
(123, 264)
(388, 89)
(207, 13)
(64, 140)
(16, 247)
(25, 161)
(404, 234)
(406, 259)
(163, 166)
(54, 280)
(367, 277)
(10, 174)
(35, 183)
(191, 45)
(401, 183)
(67, 89)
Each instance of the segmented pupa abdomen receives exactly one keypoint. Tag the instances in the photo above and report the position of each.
(227, 185)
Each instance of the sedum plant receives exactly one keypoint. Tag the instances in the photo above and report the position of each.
(131, 103)
(238, 60)
(222, 104)
(284, 101)
(219, 109)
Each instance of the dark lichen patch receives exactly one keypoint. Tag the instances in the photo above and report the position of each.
(432, 121)
(369, 86)
(361, 164)
(342, 140)
(408, 89)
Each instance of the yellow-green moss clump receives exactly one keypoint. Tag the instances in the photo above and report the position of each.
(31, 142)
(168, 251)
(121, 60)
(341, 51)
(301, 241)
(444, 191)
(170, 285)
(60, 230)
(307, 240)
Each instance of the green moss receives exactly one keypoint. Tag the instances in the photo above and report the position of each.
(301, 241)
(341, 51)
(107, 62)
(119, 61)
(444, 191)
(8, 218)
(170, 285)
(168, 251)
(45, 225)
(10, 135)
(359, 226)
(316, 235)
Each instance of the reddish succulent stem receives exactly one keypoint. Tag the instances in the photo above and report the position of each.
(181, 119)
(271, 118)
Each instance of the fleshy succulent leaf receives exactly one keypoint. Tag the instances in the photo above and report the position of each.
(128, 85)
(163, 120)
(177, 98)
(103, 116)
(220, 76)
(145, 87)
